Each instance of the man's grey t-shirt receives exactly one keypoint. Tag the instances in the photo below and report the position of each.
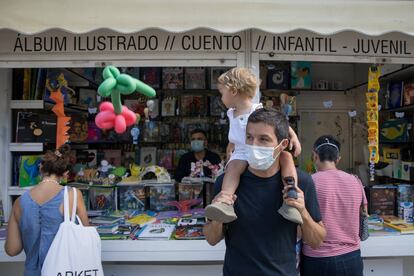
(260, 241)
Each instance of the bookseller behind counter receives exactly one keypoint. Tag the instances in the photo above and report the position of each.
(199, 151)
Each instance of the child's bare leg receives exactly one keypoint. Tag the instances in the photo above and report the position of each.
(218, 210)
(289, 176)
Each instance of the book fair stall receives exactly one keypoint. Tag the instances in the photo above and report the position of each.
(353, 80)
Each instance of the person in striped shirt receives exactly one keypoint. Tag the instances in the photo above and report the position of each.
(340, 196)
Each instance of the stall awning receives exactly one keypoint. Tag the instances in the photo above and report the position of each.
(320, 16)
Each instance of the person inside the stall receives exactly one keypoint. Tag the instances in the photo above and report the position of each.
(199, 151)
(261, 241)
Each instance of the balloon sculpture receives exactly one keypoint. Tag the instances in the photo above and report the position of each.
(115, 115)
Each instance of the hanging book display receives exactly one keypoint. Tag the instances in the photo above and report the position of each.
(151, 76)
(195, 78)
(374, 73)
(172, 78)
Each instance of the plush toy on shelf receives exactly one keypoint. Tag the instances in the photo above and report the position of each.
(115, 115)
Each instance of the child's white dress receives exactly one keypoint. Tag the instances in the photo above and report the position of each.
(237, 132)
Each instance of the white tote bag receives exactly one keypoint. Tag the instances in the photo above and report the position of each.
(76, 249)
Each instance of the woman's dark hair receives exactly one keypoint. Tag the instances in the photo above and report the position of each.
(56, 162)
(327, 148)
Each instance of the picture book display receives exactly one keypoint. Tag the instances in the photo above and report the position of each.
(301, 75)
(78, 132)
(172, 78)
(102, 198)
(165, 159)
(193, 105)
(94, 133)
(193, 232)
(87, 98)
(148, 156)
(278, 76)
(55, 79)
(195, 78)
(113, 156)
(168, 106)
(29, 172)
(141, 220)
(160, 195)
(187, 191)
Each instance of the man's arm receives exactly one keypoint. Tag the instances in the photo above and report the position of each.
(313, 233)
(213, 230)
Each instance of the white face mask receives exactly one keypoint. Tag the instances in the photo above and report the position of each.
(261, 158)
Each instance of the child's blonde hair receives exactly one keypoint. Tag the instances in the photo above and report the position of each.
(240, 79)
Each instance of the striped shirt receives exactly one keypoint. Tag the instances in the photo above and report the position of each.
(339, 196)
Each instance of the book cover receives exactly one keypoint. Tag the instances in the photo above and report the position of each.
(131, 197)
(78, 132)
(382, 200)
(194, 232)
(193, 105)
(395, 94)
(188, 191)
(195, 78)
(278, 76)
(106, 220)
(157, 231)
(55, 79)
(88, 157)
(107, 229)
(94, 133)
(29, 172)
(172, 78)
(148, 156)
(151, 76)
(136, 105)
(151, 131)
(165, 159)
(102, 198)
(404, 228)
(216, 106)
(113, 156)
(160, 195)
(128, 158)
(168, 107)
(141, 220)
(394, 130)
(35, 127)
(301, 74)
(409, 93)
(216, 72)
(87, 98)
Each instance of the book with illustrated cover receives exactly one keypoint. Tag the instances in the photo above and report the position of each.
(165, 158)
(395, 94)
(151, 131)
(409, 93)
(35, 127)
(78, 132)
(278, 76)
(217, 106)
(148, 156)
(136, 105)
(107, 229)
(87, 98)
(55, 79)
(151, 76)
(168, 107)
(195, 78)
(165, 131)
(192, 232)
(193, 105)
(188, 191)
(157, 231)
(300, 77)
(160, 195)
(131, 197)
(94, 133)
(404, 228)
(29, 172)
(102, 198)
(172, 78)
(128, 158)
(108, 220)
(113, 156)
(141, 220)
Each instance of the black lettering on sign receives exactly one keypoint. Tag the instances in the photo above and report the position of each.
(302, 44)
(381, 46)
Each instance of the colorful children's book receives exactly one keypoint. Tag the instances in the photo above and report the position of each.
(157, 231)
(113, 156)
(151, 131)
(404, 228)
(165, 159)
(301, 75)
(195, 78)
(141, 220)
(131, 197)
(94, 133)
(172, 78)
(87, 98)
(193, 232)
(102, 198)
(35, 127)
(78, 132)
(160, 195)
(409, 93)
(168, 107)
(56, 79)
(151, 76)
(29, 173)
(278, 76)
(193, 105)
(148, 156)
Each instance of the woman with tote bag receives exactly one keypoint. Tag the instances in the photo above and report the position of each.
(37, 214)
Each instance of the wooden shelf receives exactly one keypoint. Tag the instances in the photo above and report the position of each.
(26, 104)
(26, 147)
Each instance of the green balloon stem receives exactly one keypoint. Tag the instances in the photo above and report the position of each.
(116, 101)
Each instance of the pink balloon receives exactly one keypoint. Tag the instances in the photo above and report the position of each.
(105, 120)
(130, 116)
(106, 106)
(120, 124)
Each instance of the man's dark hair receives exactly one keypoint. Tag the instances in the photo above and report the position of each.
(325, 149)
(199, 130)
(273, 118)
